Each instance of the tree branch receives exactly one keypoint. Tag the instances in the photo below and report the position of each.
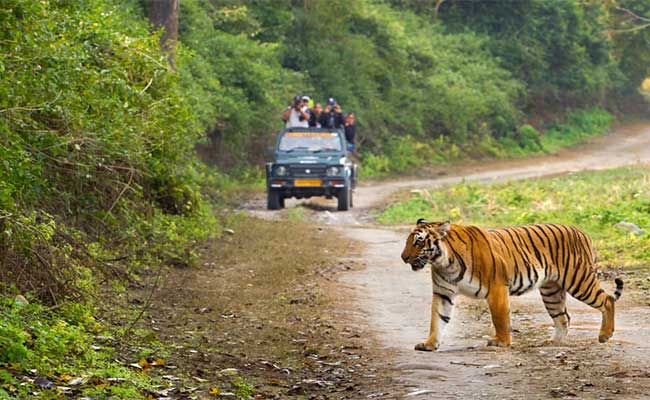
(635, 16)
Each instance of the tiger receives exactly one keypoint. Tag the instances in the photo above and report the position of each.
(494, 264)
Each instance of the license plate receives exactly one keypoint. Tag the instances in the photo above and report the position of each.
(307, 182)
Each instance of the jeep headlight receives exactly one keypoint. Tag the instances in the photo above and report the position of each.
(333, 171)
(281, 170)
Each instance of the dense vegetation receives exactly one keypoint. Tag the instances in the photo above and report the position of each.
(97, 145)
(98, 179)
(570, 199)
(457, 82)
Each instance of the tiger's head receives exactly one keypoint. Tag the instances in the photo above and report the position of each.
(425, 245)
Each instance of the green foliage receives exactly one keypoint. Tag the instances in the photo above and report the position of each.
(404, 154)
(467, 78)
(396, 60)
(558, 48)
(570, 199)
(58, 343)
(407, 154)
(97, 144)
(528, 138)
(243, 390)
(631, 42)
(580, 125)
(234, 76)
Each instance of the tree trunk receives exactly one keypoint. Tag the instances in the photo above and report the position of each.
(164, 13)
(437, 9)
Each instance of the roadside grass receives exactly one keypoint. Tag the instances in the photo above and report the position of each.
(256, 316)
(593, 201)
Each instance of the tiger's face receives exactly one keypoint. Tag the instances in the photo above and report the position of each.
(425, 245)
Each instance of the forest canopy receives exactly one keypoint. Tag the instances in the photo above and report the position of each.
(412, 70)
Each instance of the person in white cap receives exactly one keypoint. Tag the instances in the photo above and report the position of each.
(296, 115)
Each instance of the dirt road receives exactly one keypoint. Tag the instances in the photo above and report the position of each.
(394, 303)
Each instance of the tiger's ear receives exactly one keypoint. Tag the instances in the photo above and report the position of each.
(421, 221)
(444, 228)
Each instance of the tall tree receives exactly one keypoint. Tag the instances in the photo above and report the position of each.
(164, 13)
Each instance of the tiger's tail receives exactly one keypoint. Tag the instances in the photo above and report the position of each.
(619, 289)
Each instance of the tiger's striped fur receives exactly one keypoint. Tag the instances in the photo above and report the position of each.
(496, 263)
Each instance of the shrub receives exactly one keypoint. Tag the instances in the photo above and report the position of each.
(528, 138)
(405, 154)
(579, 125)
(98, 136)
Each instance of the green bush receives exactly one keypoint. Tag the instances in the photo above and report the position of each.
(556, 48)
(579, 126)
(528, 138)
(97, 137)
(406, 154)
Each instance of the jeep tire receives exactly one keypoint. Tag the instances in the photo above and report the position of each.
(273, 200)
(344, 198)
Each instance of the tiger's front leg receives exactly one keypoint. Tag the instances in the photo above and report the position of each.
(441, 309)
(499, 304)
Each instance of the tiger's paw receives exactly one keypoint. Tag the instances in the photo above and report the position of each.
(426, 347)
(495, 341)
(604, 337)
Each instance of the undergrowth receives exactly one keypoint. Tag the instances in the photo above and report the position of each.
(62, 352)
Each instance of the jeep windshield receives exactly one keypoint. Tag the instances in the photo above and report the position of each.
(310, 141)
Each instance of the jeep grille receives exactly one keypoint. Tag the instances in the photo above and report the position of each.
(301, 170)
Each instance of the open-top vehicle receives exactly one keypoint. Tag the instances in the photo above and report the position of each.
(310, 162)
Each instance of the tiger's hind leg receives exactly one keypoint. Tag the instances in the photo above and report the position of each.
(588, 290)
(554, 297)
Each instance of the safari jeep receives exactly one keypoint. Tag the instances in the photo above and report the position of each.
(310, 162)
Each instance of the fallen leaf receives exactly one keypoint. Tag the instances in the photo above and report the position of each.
(144, 363)
(229, 371)
(66, 377)
(158, 362)
(214, 391)
(9, 387)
